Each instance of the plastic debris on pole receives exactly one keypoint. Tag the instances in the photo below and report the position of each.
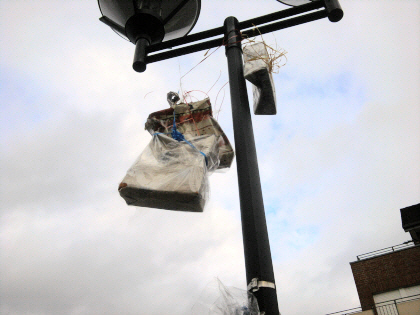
(217, 299)
(257, 71)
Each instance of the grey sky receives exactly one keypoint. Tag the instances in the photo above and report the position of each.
(337, 162)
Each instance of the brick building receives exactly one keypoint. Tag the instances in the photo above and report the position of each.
(388, 280)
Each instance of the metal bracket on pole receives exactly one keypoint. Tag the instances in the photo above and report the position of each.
(256, 284)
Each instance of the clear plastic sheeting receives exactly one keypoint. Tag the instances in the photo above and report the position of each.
(192, 120)
(257, 71)
(217, 299)
(172, 175)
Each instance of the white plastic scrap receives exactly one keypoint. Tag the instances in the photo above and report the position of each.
(217, 299)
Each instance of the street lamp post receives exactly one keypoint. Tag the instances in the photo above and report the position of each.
(258, 262)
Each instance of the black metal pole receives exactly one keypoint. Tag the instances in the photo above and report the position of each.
(258, 263)
(250, 33)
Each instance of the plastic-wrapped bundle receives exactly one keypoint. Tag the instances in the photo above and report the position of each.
(172, 175)
(258, 72)
(193, 119)
(265, 97)
(217, 299)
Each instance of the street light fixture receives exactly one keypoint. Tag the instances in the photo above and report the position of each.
(295, 2)
(335, 11)
(148, 22)
(258, 262)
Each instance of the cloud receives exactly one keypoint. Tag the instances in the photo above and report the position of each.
(337, 162)
(105, 258)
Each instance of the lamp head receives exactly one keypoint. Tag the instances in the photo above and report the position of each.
(295, 2)
(148, 22)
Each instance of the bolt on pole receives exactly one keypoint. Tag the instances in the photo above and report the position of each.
(258, 262)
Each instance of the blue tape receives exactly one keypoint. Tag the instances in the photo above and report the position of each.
(180, 137)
